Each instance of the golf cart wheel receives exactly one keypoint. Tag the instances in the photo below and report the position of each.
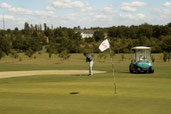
(151, 70)
(138, 70)
(145, 71)
(130, 69)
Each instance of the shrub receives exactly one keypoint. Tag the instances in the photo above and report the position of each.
(20, 59)
(122, 57)
(29, 53)
(102, 56)
(153, 59)
(2, 54)
(14, 54)
(166, 56)
(64, 55)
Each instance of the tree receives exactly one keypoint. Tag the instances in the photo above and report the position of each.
(98, 35)
(145, 30)
(20, 43)
(14, 54)
(169, 24)
(2, 54)
(64, 55)
(144, 41)
(102, 56)
(166, 56)
(5, 46)
(51, 49)
(45, 27)
(26, 26)
(166, 43)
(156, 45)
(34, 44)
(29, 53)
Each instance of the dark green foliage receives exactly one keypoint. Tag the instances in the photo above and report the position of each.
(102, 57)
(134, 32)
(98, 35)
(20, 59)
(14, 54)
(4, 46)
(35, 57)
(34, 44)
(112, 53)
(32, 38)
(169, 24)
(166, 43)
(64, 55)
(29, 53)
(51, 49)
(2, 54)
(122, 57)
(153, 59)
(166, 56)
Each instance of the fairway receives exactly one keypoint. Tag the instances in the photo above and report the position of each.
(53, 93)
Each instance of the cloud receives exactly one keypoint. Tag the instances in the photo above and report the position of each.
(141, 16)
(136, 17)
(49, 8)
(80, 12)
(49, 14)
(72, 16)
(128, 9)
(64, 4)
(167, 4)
(162, 13)
(14, 9)
(160, 16)
(86, 8)
(5, 5)
(69, 4)
(100, 17)
(108, 9)
(23, 11)
(132, 6)
(12, 19)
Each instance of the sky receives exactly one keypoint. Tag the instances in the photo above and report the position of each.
(84, 13)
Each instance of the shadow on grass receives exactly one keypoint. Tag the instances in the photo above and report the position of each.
(125, 72)
(83, 75)
(135, 73)
(74, 93)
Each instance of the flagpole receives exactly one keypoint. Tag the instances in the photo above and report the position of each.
(113, 74)
(103, 46)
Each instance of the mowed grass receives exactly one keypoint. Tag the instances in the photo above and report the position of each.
(51, 94)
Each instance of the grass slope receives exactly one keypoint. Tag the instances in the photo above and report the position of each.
(50, 94)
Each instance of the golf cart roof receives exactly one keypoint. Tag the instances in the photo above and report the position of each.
(141, 47)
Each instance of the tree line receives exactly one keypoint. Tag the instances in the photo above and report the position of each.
(63, 40)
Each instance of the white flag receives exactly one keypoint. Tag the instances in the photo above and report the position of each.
(104, 45)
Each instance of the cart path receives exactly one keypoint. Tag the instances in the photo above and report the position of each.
(10, 74)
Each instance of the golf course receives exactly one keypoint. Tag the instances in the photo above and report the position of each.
(77, 93)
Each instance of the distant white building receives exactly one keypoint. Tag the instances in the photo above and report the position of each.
(87, 33)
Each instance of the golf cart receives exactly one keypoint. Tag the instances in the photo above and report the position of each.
(142, 61)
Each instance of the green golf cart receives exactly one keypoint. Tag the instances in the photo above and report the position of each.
(142, 62)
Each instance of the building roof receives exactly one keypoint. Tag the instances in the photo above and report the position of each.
(141, 47)
(88, 31)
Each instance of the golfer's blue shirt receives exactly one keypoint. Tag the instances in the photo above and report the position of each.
(89, 58)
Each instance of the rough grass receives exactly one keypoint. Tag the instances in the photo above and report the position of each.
(51, 94)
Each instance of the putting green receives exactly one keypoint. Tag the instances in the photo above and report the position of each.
(10, 74)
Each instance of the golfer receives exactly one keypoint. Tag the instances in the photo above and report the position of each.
(90, 60)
